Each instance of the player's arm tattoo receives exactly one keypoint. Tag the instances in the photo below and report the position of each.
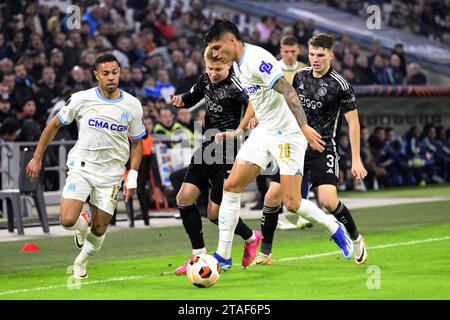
(289, 94)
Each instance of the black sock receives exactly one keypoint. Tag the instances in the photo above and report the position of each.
(242, 229)
(269, 223)
(343, 215)
(192, 223)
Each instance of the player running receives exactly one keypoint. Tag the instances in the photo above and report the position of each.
(283, 133)
(105, 117)
(325, 96)
(225, 105)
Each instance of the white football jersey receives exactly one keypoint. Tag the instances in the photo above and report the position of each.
(258, 71)
(103, 127)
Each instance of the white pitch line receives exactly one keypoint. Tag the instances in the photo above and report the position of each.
(305, 257)
(399, 244)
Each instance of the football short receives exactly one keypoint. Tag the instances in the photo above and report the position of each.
(287, 149)
(104, 190)
(213, 175)
(323, 167)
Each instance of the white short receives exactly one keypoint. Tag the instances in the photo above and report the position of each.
(103, 190)
(287, 149)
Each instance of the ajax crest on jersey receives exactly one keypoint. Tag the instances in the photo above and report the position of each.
(322, 91)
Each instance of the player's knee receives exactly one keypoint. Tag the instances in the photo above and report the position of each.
(272, 200)
(291, 204)
(99, 229)
(232, 186)
(67, 221)
(184, 199)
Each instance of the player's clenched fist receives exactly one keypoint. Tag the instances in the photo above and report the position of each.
(177, 101)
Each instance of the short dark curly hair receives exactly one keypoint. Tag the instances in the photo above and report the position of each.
(218, 28)
(107, 57)
(322, 40)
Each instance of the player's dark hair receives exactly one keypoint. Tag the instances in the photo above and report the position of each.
(288, 41)
(219, 28)
(107, 57)
(322, 40)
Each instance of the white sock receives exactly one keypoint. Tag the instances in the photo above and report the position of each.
(199, 251)
(228, 219)
(252, 238)
(302, 220)
(91, 246)
(312, 213)
(80, 225)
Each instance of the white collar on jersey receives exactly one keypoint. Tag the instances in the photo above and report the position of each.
(288, 68)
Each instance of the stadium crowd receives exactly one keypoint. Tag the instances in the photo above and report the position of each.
(429, 18)
(159, 46)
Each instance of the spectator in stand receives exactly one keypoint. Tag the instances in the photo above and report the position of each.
(379, 70)
(94, 17)
(57, 62)
(163, 85)
(439, 158)
(400, 52)
(394, 72)
(348, 75)
(166, 125)
(176, 72)
(364, 75)
(165, 27)
(190, 78)
(149, 25)
(185, 126)
(265, 28)
(375, 51)
(24, 88)
(5, 110)
(6, 66)
(15, 48)
(349, 61)
(122, 50)
(9, 130)
(126, 82)
(76, 80)
(137, 79)
(49, 92)
(414, 75)
(7, 87)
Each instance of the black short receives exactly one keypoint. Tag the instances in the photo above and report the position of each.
(275, 177)
(323, 167)
(212, 175)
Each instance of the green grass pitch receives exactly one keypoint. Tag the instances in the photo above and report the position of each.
(407, 245)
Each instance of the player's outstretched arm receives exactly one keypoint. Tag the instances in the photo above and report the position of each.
(34, 166)
(358, 170)
(292, 100)
(130, 184)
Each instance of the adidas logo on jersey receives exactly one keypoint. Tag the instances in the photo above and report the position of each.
(330, 171)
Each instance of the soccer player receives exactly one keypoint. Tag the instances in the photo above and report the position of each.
(225, 104)
(289, 50)
(325, 96)
(282, 133)
(106, 116)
